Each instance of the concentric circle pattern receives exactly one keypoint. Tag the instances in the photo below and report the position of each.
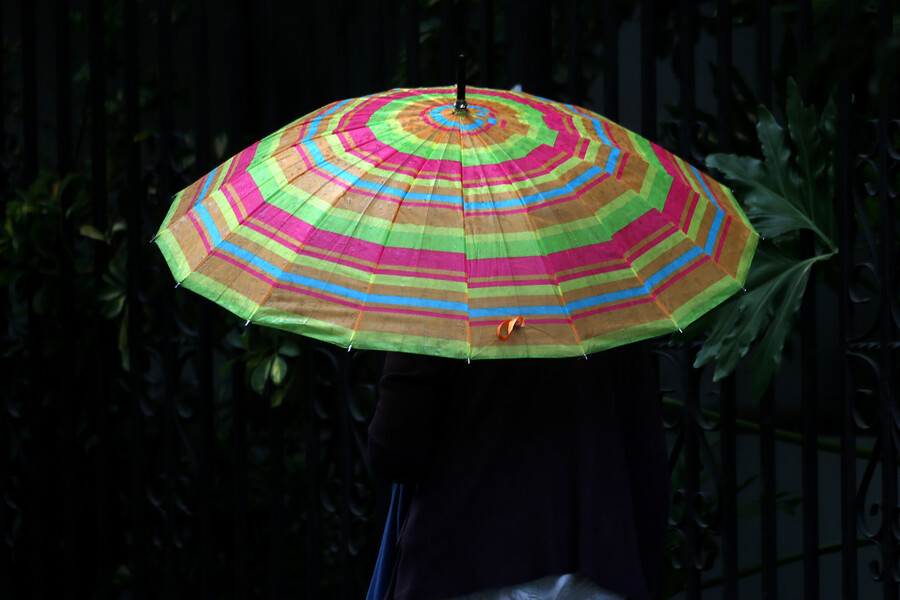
(395, 221)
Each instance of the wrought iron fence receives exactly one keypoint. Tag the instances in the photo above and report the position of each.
(144, 455)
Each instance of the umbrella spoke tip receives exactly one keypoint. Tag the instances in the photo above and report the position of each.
(247, 322)
(177, 284)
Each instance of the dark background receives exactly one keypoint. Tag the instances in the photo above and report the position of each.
(147, 450)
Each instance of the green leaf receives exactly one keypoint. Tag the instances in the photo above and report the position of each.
(278, 397)
(812, 160)
(776, 284)
(279, 369)
(769, 190)
(289, 349)
(92, 232)
(771, 214)
(766, 359)
(260, 376)
(772, 141)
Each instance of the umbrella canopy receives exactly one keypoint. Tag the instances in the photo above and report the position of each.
(515, 227)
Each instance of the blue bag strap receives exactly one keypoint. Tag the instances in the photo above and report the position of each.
(387, 554)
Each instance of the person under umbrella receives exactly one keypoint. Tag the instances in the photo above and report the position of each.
(545, 478)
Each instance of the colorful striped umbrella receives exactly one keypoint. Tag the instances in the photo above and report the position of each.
(510, 227)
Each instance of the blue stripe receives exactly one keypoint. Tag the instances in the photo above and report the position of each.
(605, 298)
(705, 189)
(353, 181)
(598, 127)
(210, 225)
(506, 311)
(480, 120)
(314, 126)
(209, 179)
(714, 232)
(717, 220)
(673, 266)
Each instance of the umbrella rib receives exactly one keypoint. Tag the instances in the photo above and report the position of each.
(499, 147)
(389, 231)
(323, 217)
(287, 261)
(301, 243)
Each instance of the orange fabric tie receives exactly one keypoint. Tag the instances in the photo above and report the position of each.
(510, 324)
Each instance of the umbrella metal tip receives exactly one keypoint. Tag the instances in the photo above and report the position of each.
(247, 322)
(177, 284)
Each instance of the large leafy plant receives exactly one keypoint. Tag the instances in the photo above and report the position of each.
(789, 191)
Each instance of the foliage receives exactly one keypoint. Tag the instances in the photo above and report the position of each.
(790, 190)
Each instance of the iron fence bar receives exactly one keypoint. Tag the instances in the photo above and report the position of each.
(35, 416)
(411, 27)
(135, 241)
(846, 222)
(690, 424)
(29, 92)
(648, 68)
(450, 38)
(486, 47)
(313, 480)
(277, 509)
(610, 17)
(727, 401)
(99, 202)
(345, 472)
(65, 303)
(808, 363)
(810, 452)
(888, 410)
(685, 60)
(573, 50)
(34, 412)
(768, 455)
(170, 352)
(764, 52)
(724, 65)
(768, 512)
(728, 490)
(239, 481)
(206, 398)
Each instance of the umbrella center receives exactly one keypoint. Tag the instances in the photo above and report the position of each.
(473, 120)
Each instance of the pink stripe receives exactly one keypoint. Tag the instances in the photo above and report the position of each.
(507, 267)
(652, 243)
(506, 282)
(246, 268)
(418, 313)
(609, 133)
(625, 156)
(200, 231)
(722, 237)
(234, 204)
(472, 176)
(242, 161)
(497, 321)
(678, 191)
(590, 272)
(582, 149)
(702, 259)
(312, 238)
(610, 307)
